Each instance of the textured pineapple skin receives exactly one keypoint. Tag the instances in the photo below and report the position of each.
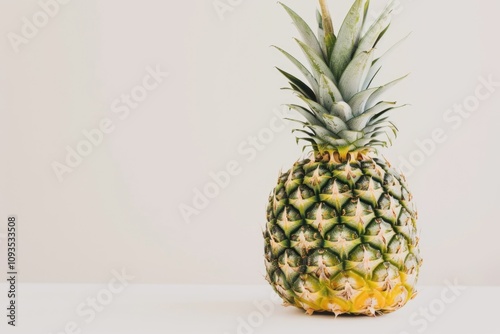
(342, 237)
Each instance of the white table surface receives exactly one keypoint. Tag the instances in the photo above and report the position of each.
(48, 308)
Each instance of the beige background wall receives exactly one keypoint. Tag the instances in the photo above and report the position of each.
(119, 207)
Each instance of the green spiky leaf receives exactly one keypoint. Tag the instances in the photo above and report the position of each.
(328, 92)
(317, 63)
(378, 63)
(309, 116)
(358, 101)
(334, 123)
(305, 72)
(374, 98)
(305, 31)
(348, 38)
(360, 122)
(299, 84)
(376, 31)
(355, 74)
(342, 110)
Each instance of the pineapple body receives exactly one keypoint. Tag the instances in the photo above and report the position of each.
(341, 237)
(341, 232)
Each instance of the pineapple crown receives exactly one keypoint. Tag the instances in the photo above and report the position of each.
(344, 113)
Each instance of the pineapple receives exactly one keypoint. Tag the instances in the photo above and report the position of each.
(341, 233)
